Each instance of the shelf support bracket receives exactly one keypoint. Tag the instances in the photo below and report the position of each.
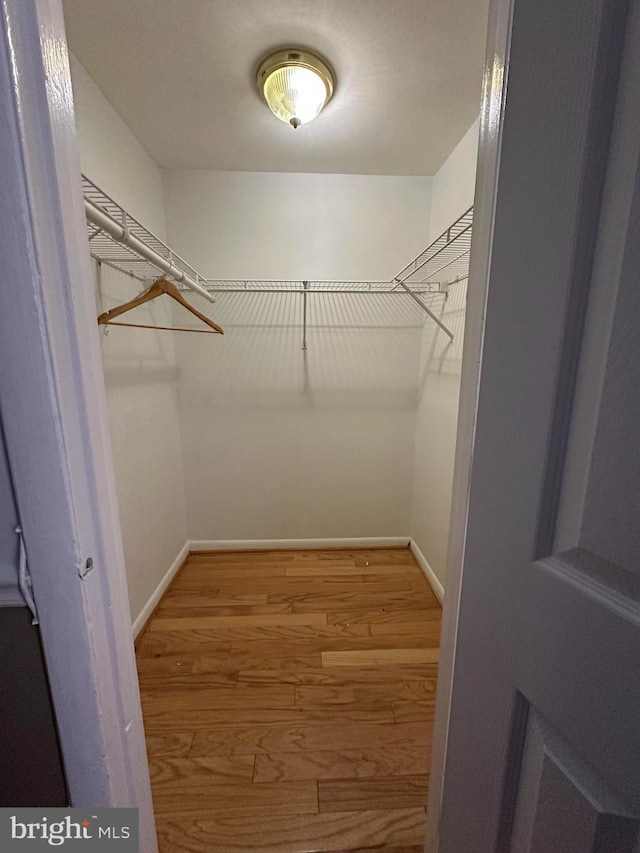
(305, 284)
(426, 308)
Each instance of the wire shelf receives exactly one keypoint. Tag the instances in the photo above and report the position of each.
(442, 263)
(445, 261)
(117, 239)
(289, 286)
(106, 249)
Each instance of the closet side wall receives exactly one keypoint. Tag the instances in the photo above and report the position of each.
(139, 364)
(277, 443)
(440, 368)
(112, 157)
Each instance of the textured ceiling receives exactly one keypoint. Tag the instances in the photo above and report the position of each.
(181, 73)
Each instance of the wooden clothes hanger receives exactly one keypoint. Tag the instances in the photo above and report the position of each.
(157, 289)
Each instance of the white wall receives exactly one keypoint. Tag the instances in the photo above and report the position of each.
(112, 157)
(440, 367)
(278, 443)
(141, 382)
(139, 365)
(454, 183)
(271, 225)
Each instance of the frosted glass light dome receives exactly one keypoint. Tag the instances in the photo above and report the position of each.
(295, 84)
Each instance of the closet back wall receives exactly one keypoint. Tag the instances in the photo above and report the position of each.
(277, 443)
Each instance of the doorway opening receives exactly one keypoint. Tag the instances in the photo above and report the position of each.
(285, 488)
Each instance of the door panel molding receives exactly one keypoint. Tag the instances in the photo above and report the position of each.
(605, 71)
(563, 806)
(581, 616)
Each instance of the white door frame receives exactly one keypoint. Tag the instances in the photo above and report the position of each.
(490, 137)
(55, 419)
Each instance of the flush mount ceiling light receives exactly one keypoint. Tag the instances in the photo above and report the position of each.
(296, 85)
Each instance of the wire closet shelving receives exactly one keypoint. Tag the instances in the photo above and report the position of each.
(118, 240)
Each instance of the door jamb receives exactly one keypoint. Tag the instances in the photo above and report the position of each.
(494, 87)
(55, 420)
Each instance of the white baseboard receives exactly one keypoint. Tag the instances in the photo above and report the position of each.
(152, 603)
(257, 545)
(430, 575)
(297, 544)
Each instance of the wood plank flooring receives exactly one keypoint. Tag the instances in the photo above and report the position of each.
(288, 699)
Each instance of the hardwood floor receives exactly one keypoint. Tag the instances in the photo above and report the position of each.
(288, 699)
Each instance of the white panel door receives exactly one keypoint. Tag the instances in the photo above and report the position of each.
(543, 750)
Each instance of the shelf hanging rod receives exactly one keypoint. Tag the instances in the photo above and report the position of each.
(118, 232)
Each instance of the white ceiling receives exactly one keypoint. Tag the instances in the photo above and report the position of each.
(181, 73)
